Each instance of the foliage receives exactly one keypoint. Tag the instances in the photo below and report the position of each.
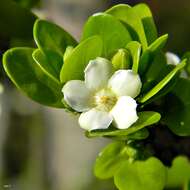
(128, 37)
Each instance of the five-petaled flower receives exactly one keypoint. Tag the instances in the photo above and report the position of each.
(104, 97)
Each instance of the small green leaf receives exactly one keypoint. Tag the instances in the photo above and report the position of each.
(177, 108)
(80, 56)
(110, 160)
(162, 83)
(143, 175)
(138, 20)
(151, 52)
(50, 64)
(179, 173)
(135, 49)
(113, 33)
(187, 56)
(49, 36)
(146, 118)
(30, 78)
(121, 60)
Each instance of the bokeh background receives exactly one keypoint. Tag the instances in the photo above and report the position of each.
(43, 148)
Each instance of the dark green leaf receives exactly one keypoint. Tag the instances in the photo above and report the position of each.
(143, 175)
(151, 52)
(15, 21)
(177, 109)
(30, 78)
(162, 83)
(49, 36)
(145, 119)
(113, 33)
(78, 59)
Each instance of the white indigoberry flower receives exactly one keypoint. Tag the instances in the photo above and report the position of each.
(104, 97)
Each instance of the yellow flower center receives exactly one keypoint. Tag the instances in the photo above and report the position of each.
(105, 100)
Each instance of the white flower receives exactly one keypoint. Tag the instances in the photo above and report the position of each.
(172, 59)
(104, 97)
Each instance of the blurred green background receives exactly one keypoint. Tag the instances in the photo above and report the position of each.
(43, 148)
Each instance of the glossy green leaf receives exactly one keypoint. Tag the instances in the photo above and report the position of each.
(146, 118)
(178, 173)
(139, 22)
(50, 64)
(15, 21)
(143, 175)
(121, 60)
(162, 83)
(78, 59)
(30, 78)
(135, 49)
(147, 20)
(151, 52)
(177, 108)
(113, 33)
(49, 36)
(110, 160)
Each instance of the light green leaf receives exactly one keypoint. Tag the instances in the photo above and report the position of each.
(135, 49)
(113, 33)
(187, 68)
(178, 173)
(30, 78)
(151, 52)
(162, 83)
(146, 118)
(110, 160)
(80, 56)
(121, 60)
(177, 108)
(143, 175)
(49, 36)
(50, 64)
(138, 20)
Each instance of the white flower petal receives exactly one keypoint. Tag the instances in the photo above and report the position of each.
(172, 59)
(124, 112)
(77, 95)
(125, 83)
(97, 73)
(95, 119)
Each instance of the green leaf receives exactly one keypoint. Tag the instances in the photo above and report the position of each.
(110, 160)
(135, 49)
(146, 118)
(143, 175)
(30, 78)
(138, 20)
(80, 56)
(151, 52)
(49, 36)
(15, 21)
(177, 108)
(113, 33)
(121, 60)
(187, 68)
(162, 83)
(179, 173)
(50, 64)
(147, 20)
